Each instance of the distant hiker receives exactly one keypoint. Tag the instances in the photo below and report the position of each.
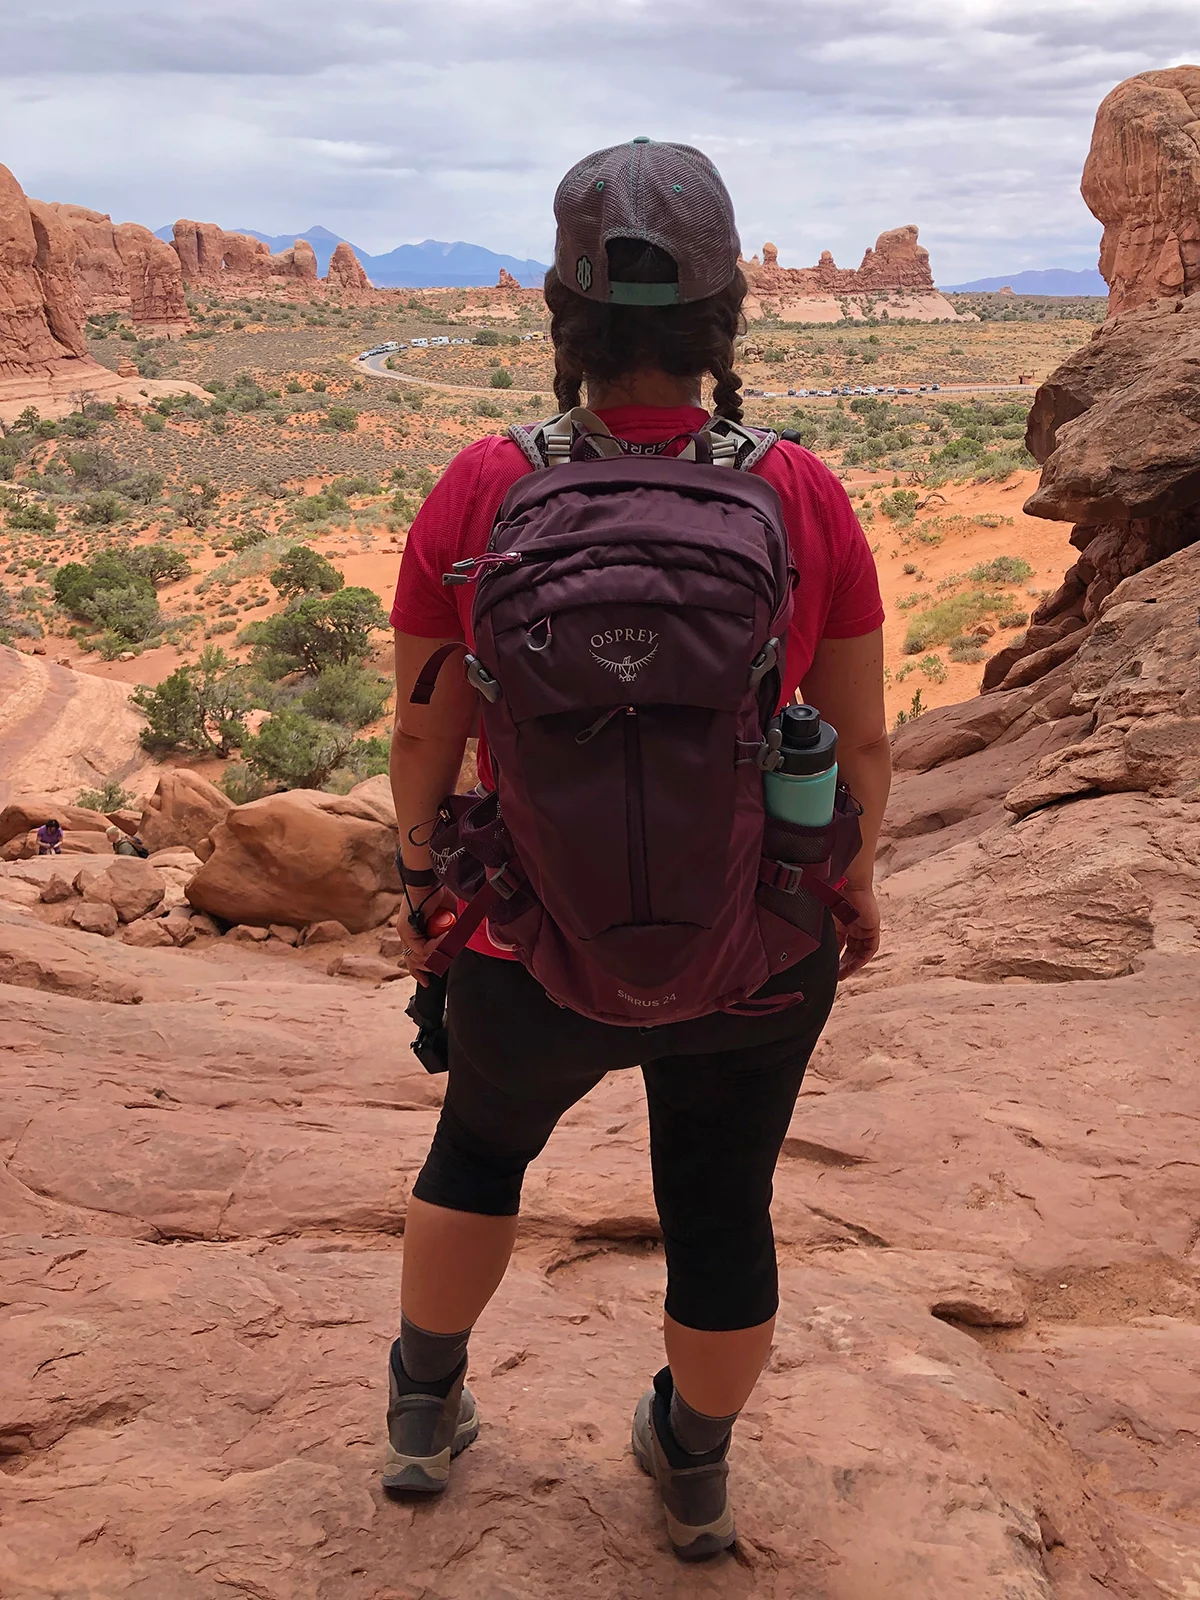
(125, 844)
(50, 838)
(621, 583)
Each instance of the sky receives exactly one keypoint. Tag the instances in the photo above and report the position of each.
(392, 121)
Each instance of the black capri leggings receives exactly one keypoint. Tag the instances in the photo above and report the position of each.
(720, 1089)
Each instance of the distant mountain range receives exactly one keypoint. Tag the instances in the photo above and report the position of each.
(432, 264)
(1054, 280)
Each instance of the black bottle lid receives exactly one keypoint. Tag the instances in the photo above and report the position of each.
(809, 745)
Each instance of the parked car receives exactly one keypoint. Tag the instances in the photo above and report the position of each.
(420, 344)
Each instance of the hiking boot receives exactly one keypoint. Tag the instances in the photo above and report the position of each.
(428, 1425)
(693, 1488)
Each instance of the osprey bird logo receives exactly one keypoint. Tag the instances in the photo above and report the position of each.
(625, 668)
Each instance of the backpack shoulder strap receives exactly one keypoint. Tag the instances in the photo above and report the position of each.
(734, 445)
(548, 444)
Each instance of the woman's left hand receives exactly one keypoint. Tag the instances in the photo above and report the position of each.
(862, 935)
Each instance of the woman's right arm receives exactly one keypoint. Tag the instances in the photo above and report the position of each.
(427, 751)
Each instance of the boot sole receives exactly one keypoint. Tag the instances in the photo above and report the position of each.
(689, 1543)
(429, 1474)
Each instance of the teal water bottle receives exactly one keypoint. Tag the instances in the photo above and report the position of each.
(802, 787)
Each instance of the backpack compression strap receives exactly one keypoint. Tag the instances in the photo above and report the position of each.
(549, 444)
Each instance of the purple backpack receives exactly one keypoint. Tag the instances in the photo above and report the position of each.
(630, 618)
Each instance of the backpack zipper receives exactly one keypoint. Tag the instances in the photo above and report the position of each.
(635, 819)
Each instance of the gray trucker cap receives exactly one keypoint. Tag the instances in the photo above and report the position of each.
(671, 195)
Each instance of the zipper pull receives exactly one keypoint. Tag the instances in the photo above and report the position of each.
(601, 723)
(475, 567)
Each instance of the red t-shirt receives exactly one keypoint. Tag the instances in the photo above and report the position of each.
(837, 596)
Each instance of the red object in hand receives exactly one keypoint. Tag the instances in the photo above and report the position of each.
(441, 922)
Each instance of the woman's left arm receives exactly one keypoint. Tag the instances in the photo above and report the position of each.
(427, 752)
(845, 683)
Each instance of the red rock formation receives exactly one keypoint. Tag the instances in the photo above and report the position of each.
(247, 257)
(506, 280)
(302, 261)
(40, 321)
(56, 269)
(345, 269)
(896, 262)
(124, 268)
(200, 247)
(1142, 180)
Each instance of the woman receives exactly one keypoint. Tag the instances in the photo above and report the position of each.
(720, 1088)
(50, 838)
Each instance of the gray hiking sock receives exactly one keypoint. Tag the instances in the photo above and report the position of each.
(694, 1432)
(430, 1357)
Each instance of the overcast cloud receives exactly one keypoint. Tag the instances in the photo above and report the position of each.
(399, 120)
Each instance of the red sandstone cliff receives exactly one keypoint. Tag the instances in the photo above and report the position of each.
(896, 262)
(41, 321)
(210, 257)
(123, 267)
(1142, 181)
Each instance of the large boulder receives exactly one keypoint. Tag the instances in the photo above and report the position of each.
(131, 887)
(1142, 180)
(29, 811)
(183, 810)
(297, 858)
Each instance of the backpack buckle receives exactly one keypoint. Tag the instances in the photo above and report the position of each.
(769, 756)
(763, 662)
(780, 875)
(480, 678)
(504, 882)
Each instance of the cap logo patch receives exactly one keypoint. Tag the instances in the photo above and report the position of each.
(583, 273)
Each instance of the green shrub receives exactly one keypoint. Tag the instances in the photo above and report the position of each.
(95, 468)
(292, 387)
(347, 694)
(502, 378)
(916, 709)
(487, 336)
(201, 708)
(934, 668)
(1012, 619)
(143, 487)
(33, 518)
(247, 538)
(315, 632)
(343, 419)
(242, 785)
(319, 385)
(160, 562)
(153, 422)
(130, 614)
(109, 797)
(1004, 569)
(305, 571)
(295, 750)
(487, 408)
(900, 505)
(103, 509)
(965, 648)
(316, 507)
(949, 618)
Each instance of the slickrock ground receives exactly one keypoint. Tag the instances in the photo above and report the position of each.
(986, 1208)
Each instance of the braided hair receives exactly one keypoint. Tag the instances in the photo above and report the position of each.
(607, 342)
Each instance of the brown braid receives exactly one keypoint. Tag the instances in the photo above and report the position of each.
(608, 342)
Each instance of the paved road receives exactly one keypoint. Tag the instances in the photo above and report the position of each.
(375, 366)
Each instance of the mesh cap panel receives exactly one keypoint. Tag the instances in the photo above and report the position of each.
(670, 195)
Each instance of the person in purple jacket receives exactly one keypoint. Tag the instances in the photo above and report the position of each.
(50, 838)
